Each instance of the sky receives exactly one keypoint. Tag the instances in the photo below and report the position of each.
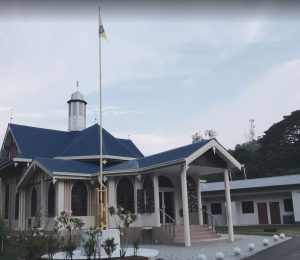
(168, 70)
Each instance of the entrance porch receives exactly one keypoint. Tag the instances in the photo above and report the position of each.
(165, 189)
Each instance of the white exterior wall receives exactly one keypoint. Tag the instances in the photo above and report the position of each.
(221, 219)
(296, 204)
(240, 218)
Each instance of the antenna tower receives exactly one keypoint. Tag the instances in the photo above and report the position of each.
(251, 130)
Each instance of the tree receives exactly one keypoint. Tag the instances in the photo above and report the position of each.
(276, 153)
(280, 146)
(207, 134)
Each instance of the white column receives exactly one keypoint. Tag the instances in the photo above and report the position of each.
(156, 200)
(60, 196)
(185, 207)
(296, 205)
(199, 199)
(42, 201)
(228, 206)
(22, 212)
(1, 198)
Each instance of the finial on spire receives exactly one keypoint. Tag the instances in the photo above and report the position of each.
(77, 84)
(11, 115)
(95, 112)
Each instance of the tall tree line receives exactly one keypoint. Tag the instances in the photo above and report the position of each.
(277, 152)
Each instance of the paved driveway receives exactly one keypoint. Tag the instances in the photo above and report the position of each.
(289, 250)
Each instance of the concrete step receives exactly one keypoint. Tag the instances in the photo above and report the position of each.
(197, 239)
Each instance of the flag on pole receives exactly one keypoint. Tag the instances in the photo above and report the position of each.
(101, 28)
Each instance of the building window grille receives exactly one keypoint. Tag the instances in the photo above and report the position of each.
(149, 194)
(192, 194)
(247, 207)
(79, 199)
(216, 208)
(288, 205)
(125, 194)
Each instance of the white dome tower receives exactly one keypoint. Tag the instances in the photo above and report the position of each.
(77, 112)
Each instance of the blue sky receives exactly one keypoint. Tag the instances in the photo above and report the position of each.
(164, 79)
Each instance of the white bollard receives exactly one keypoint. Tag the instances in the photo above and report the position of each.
(265, 242)
(237, 251)
(251, 246)
(275, 238)
(202, 257)
(282, 236)
(219, 256)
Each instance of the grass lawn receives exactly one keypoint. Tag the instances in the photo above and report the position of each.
(289, 230)
(11, 251)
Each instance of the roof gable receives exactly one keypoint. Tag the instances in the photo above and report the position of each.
(87, 143)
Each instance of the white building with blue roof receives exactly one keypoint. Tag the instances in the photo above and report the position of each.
(44, 172)
(269, 200)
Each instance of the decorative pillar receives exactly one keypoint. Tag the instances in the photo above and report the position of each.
(60, 195)
(199, 200)
(22, 213)
(228, 206)
(112, 200)
(2, 198)
(156, 200)
(43, 202)
(185, 207)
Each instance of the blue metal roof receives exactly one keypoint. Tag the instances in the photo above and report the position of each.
(33, 141)
(72, 166)
(87, 143)
(131, 146)
(255, 183)
(159, 158)
(46, 143)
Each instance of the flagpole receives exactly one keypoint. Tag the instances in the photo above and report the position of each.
(101, 146)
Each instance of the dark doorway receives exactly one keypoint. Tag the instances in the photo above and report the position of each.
(275, 213)
(166, 203)
(79, 199)
(262, 213)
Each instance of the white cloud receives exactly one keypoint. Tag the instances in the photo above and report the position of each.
(155, 142)
(266, 100)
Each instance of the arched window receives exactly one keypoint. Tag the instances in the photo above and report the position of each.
(6, 206)
(17, 206)
(79, 199)
(192, 194)
(33, 202)
(149, 194)
(125, 194)
(165, 182)
(51, 200)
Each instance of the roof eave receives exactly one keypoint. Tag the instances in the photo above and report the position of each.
(144, 169)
